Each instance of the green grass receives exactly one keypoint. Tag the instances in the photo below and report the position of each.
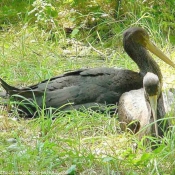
(87, 142)
(79, 142)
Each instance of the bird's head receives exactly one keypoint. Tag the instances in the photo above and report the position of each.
(152, 88)
(140, 36)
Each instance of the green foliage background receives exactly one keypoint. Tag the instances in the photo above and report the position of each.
(85, 17)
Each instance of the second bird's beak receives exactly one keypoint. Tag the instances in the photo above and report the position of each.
(153, 104)
(152, 48)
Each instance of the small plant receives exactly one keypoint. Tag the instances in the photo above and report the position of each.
(45, 14)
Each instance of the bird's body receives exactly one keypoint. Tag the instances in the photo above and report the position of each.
(134, 111)
(137, 109)
(88, 87)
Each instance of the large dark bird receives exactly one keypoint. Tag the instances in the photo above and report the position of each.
(96, 86)
(137, 109)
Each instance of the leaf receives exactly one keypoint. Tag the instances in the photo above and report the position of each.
(107, 159)
(145, 158)
(71, 170)
(74, 32)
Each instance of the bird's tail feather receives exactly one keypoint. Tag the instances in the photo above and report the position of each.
(6, 86)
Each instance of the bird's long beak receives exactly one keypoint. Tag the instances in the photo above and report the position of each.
(153, 104)
(152, 48)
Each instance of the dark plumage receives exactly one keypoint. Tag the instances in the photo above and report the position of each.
(89, 87)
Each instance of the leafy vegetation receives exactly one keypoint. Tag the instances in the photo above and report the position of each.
(40, 39)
